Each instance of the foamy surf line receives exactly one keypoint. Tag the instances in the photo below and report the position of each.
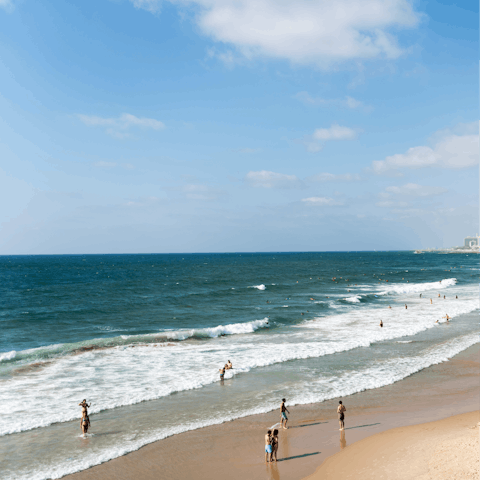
(44, 353)
(366, 379)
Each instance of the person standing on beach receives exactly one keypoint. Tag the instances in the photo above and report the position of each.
(273, 456)
(283, 414)
(268, 446)
(341, 415)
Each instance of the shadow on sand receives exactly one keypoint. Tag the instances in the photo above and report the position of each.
(298, 456)
(360, 426)
(307, 425)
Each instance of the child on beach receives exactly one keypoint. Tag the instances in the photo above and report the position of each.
(268, 446)
(341, 415)
(283, 414)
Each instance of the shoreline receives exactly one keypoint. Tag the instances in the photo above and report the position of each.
(235, 449)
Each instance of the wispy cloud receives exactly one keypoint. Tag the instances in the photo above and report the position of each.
(117, 127)
(201, 192)
(6, 5)
(302, 31)
(266, 179)
(415, 190)
(321, 201)
(347, 102)
(314, 143)
(330, 177)
(451, 150)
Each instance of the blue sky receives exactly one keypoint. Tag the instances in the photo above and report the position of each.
(246, 125)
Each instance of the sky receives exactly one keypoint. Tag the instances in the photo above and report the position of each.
(164, 126)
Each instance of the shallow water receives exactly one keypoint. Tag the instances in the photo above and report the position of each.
(143, 336)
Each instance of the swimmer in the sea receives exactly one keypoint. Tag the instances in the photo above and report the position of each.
(447, 317)
(420, 295)
(406, 306)
(222, 372)
(229, 365)
(456, 296)
(381, 323)
(84, 406)
(444, 297)
(431, 301)
(389, 307)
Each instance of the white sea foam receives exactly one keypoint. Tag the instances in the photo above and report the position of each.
(410, 288)
(8, 355)
(259, 287)
(354, 299)
(373, 375)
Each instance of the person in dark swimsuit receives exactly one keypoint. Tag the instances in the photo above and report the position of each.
(341, 415)
(381, 323)
(273, 456)
(222, 372)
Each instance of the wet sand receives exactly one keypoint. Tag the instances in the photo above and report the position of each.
(235, 449)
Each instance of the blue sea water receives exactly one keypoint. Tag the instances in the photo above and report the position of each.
(130, 331)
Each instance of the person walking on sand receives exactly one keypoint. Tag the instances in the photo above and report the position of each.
(283, 414)
(84, 423)
(341, 415)
(273, 456)
(268, 446)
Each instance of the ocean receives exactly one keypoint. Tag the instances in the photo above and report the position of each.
(142, 338)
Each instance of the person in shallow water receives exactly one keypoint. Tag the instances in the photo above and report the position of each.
(229, 365)
(268, 446)
(222, 372)
(283, 414)
(381, 323)
(341, 415)
(84, 405)
(84, 423)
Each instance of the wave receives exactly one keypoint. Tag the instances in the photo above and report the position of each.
(354, 299)
(368, 378)
(260, 287)
(62, 349)
(417, 287)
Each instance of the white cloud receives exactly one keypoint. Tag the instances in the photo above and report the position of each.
(7, 5)
(266, 179)
(415, 190)
(201, 192)
(321, 201)
(330, 177)
(314, 143)
(348, 102)
(302, 31)
(452, 150)
(118, 126)
(391, 204)
(335, 132)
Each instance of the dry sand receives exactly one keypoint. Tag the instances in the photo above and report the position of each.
(235, 450)
(443, 450)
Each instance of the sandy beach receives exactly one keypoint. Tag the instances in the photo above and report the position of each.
(440, 393)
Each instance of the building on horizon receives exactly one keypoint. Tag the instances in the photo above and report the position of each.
(472, 242)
